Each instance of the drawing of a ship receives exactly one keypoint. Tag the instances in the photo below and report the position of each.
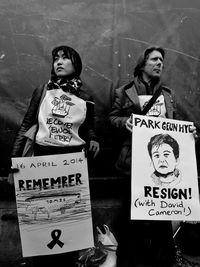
(48, 202)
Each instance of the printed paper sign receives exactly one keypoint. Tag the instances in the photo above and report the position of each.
(164, 171)
(53, 204)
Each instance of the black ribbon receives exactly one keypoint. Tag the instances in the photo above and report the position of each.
(55, 234)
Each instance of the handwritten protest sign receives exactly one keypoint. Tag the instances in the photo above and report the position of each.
(53, 204)
(164, 171)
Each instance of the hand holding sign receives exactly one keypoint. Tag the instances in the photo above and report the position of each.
(129, 124)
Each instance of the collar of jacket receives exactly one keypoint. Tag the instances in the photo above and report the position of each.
(131, 92)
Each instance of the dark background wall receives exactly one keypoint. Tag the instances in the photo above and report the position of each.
(109, 35)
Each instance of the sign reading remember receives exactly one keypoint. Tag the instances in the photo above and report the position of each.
(164, 171)
(53, 204)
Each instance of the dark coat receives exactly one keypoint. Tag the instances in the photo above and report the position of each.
(86, 130)
(126, 102)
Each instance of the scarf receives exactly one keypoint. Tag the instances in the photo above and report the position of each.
(67, 85)
(143, 88)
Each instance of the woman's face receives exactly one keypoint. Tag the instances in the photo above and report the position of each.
(62, 65)
(163, 159)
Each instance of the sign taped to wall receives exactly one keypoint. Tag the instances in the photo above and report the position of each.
(164, 170)
(53, 204)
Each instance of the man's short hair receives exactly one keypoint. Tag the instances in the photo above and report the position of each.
(143, 58)
(159, 139)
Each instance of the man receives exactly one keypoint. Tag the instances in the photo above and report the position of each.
(141, 241)
(133, 97)
(164, 152)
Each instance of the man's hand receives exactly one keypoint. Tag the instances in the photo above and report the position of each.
(129, 124)
(94, 147)
(194, 132)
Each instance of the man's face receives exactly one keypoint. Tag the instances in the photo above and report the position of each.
(153, 66)
(62, 65)
(163, 159)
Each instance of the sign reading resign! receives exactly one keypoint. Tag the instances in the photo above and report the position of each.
(53, 204)
(164, 171)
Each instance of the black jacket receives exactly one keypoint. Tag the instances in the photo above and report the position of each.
(126, 102)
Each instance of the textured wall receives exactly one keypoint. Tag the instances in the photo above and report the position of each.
(109, 36)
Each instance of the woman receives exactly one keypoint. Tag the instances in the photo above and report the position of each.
(63, 115)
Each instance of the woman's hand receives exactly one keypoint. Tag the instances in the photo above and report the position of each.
(11, 176)
(10, 179)
(129, 125)
(94, 147)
